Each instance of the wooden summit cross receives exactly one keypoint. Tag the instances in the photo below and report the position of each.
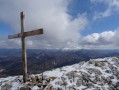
(22, 35)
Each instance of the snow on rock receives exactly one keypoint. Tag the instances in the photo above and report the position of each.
(96, 74)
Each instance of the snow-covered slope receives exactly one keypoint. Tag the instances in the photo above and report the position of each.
(96, 74)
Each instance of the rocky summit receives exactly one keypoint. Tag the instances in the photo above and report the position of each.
(95, 74)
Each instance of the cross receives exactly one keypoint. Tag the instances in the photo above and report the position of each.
(22, 35)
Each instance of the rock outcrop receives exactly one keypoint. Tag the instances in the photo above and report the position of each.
(96, 74)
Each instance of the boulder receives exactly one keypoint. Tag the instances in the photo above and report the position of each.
(37, 78)
(111, 88)
(71, 74)
(97, 88)
(84, 74)
(94, 81)
(90, 85)
(108, 80)
(40, 78)
(79, 82)
(58, 82)
(108, 71)
(47, 79)
(49, 87)
(6, 86)
(52, 78)
(64, 83)
(63, 78)
(103, 80)
(91, 62)
(112, 77)
(84, 82)
(81, 63)
(30, 84)
(45, 82)
(94, 70)
(99, 64)
(33, 79)
(39, 84)
(25, 88)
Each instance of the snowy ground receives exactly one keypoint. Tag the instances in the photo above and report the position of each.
(96, 74)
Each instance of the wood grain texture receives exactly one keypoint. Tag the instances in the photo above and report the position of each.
(22, 35)
(24, 59)
(26, 34)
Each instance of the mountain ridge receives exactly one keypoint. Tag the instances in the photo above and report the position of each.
(42, 60)
(95, 74)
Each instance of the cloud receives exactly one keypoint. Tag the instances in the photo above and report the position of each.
(60, 28)
(104, 40)
(112, 7)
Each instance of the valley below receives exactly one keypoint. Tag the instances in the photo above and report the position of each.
(42, 60)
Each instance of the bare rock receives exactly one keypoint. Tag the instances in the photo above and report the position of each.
(71, 74)
(90, 85)
(45, 82)
(108, 71)
(52, 78)
(58, 82)
(111, 88)
(81, 63)
(91, 62)
(6, 86)
(94, 70)
(84, 82)
(30, 84)
(108, 80)
(79, 82)
(99, 64)
(25, 88)
(33, 79)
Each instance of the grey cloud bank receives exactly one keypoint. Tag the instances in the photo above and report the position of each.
(60, 28)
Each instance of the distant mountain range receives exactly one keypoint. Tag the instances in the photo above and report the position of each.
(41, 60)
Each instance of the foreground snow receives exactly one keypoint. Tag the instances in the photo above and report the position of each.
(96, 74)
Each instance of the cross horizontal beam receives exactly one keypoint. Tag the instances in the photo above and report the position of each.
(26, 34)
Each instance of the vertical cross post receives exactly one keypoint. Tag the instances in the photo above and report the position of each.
(24, 61)
(22, 35)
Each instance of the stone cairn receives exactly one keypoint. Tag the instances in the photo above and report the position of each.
(40, 81)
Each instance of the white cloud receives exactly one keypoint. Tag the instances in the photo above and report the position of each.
(112, 7)
(61, 30)
(104, 40)
(59, 26)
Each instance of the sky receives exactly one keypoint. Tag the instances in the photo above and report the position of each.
(67, 24)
